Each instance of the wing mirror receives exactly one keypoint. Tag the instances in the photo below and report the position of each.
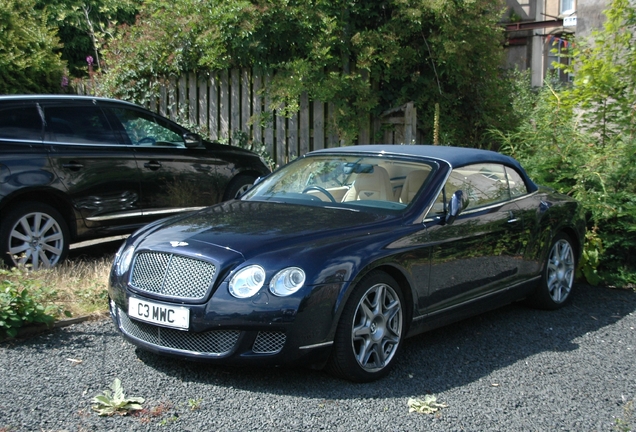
(192, 140)
(457, 204)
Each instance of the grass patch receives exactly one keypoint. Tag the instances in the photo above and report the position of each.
(73, 288)
(81, 286)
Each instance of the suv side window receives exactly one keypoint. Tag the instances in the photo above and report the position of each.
(21, 122)
(75, 124)
(145, 130)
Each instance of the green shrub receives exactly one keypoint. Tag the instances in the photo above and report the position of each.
(581, 140)
(22, 302)
(29, 57)
(558, 152)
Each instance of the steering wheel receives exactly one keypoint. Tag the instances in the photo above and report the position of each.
(320, 189)
(147, 139)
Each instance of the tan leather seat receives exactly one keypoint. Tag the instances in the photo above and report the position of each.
(375, 185)
(413, 182)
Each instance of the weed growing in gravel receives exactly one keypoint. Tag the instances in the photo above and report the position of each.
(167, 421)
(194, 404)
(146, 415)
(428, 405)
(116, 402)
(626, 423)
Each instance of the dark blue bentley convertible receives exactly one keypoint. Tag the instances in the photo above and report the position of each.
(334, 259)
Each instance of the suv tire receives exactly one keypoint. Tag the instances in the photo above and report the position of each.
(35, 235)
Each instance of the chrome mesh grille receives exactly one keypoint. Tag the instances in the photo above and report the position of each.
(172, 275)
(216, 342)
(269, 342)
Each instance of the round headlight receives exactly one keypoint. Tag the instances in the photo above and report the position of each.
(246, 282)
(287, 281)
(122, 262)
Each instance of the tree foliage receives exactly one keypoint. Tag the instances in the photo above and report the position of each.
(363, 57)
(84, 25)
(581, 140)
(29, 50)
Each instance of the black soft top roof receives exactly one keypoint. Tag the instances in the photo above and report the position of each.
(455, 156)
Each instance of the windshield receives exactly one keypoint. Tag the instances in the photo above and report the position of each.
(345, 181)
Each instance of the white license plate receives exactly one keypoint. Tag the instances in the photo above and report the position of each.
(167, 316)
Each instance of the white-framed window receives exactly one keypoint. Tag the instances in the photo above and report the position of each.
(567, 7)
(557, 50)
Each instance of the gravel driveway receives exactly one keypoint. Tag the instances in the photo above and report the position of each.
(514, 369)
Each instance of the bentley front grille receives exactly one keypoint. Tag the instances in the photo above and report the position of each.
(215, 342)
(172, 275)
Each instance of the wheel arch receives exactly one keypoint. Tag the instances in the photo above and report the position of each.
(577, 242)
(406, 289)
(344, 361)
(232, 180)
(404, 285)
(51, 197)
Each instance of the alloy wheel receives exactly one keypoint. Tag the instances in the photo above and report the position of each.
(377, 327)
(36, 239)
(560, 271)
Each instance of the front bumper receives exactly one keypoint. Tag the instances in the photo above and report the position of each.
(260, 334)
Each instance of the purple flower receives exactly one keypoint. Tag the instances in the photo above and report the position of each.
(64, 81)
(89, 60)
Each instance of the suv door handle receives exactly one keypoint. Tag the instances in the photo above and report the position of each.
(73, 166)
(153, 165)
(511, 217)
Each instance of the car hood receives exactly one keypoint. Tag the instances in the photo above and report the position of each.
(251, 228)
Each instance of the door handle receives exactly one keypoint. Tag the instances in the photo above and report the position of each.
(511, 217)
(153, 165)
(73, 166)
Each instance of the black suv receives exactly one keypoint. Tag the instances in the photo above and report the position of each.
(74, 168)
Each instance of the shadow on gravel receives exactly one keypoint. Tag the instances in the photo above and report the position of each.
(68, 338)
(436, 361)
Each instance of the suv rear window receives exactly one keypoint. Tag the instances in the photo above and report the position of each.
(22, 123)
(78, 124)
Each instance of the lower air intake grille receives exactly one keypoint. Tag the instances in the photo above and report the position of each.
(216, 342)
(269, 342)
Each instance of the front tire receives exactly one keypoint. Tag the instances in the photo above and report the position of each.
(34, 235)
(371, 330)
(557, 279)
(238, 186)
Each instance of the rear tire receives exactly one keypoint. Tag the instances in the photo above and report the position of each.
(371, 330)
(34, 235)
(238, 185)
(557, 279)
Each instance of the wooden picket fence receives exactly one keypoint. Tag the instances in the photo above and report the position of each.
(229, 105)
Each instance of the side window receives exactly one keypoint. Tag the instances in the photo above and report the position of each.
(78, 125)
(516, 183)
(146, 130)
(22, 123)
(484, 184)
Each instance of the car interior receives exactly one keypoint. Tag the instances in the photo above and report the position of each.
(393, 181)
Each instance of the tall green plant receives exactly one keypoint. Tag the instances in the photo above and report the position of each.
(84, 25)
(605, 66)
(581, 141)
